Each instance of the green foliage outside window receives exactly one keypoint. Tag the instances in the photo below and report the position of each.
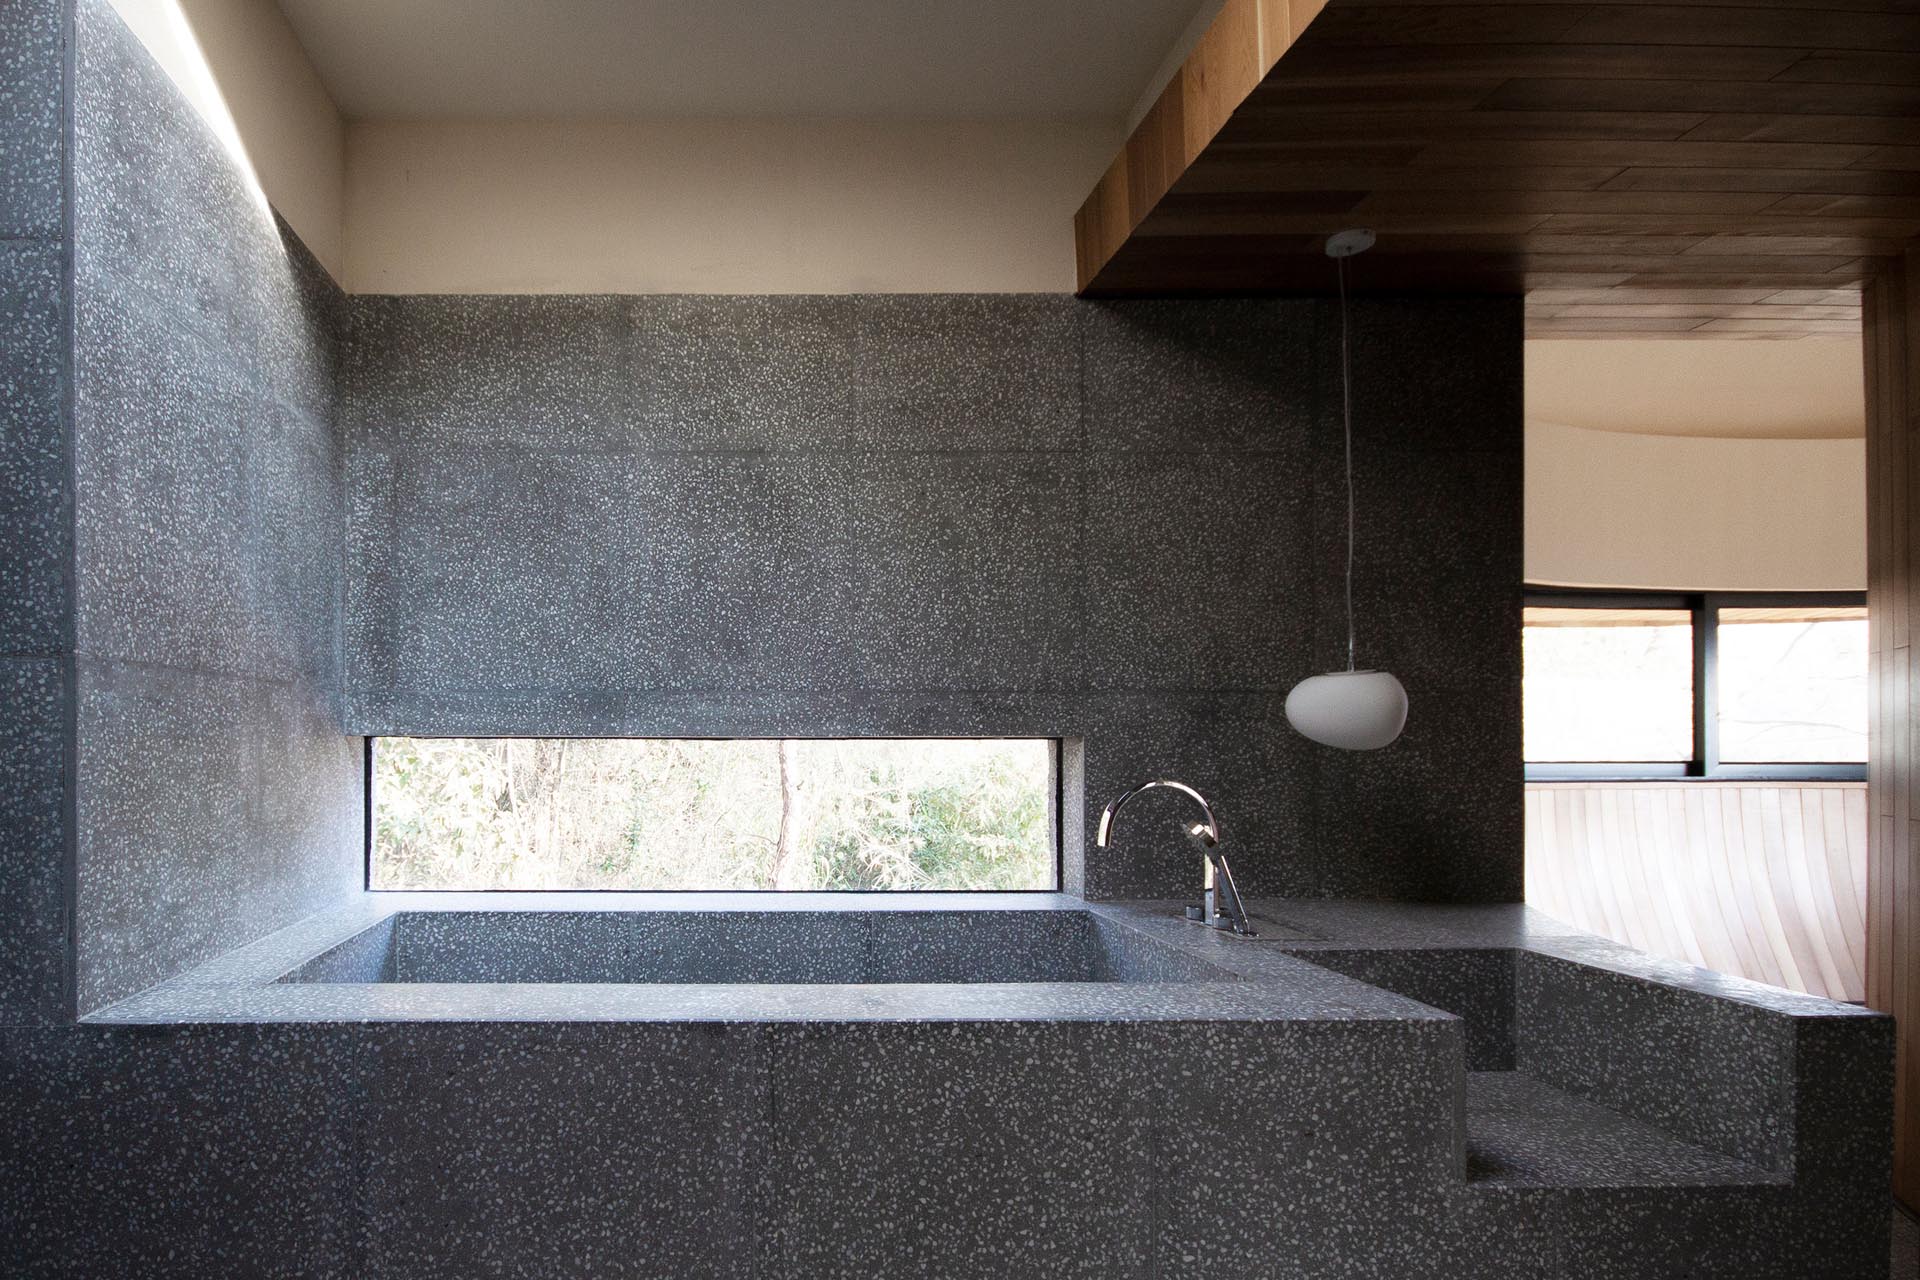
(622, 813)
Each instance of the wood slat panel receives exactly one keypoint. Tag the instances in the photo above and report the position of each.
(1892, 356)
(1771, 144)
(1766, 881)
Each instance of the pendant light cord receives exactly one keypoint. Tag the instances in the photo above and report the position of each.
(1346, 405)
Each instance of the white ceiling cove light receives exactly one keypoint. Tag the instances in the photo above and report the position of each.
(1354, 710)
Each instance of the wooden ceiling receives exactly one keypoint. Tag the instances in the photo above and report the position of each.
(1640, 170)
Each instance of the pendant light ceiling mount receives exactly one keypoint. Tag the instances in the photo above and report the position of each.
(1344, 244)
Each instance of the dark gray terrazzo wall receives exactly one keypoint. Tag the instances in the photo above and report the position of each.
(1113, 522)
(216, 797)
(36, 516)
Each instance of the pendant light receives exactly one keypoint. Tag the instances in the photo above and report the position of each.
(1354, 710)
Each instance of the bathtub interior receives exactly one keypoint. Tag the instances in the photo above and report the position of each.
(774, 946)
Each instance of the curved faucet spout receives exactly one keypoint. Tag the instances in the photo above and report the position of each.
(1218, 889)
(1208, 832)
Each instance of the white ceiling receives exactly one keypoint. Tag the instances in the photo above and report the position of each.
(906, 59)
(1806, 389)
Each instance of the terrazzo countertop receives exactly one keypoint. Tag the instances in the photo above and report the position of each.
(1271, 977)
(1258, 983)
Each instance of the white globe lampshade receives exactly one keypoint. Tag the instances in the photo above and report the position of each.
(1352, 710)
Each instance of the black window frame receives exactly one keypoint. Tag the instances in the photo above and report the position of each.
(1703, 607)
(1057, 748)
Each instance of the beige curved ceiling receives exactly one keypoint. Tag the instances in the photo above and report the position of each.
(1808, 389)
(906, 59)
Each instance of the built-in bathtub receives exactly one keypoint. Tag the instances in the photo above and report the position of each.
(1035, 1084)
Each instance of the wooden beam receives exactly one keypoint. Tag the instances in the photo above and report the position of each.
(1233, 54)
(1515, 146)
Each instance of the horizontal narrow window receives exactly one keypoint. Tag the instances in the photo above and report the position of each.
(686, 813)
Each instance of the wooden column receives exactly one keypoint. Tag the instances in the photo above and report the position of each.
(1892, 346)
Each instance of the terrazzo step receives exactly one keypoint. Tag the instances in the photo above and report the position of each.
(1522, 1132)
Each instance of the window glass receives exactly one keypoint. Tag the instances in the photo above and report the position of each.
(638, 813)
(1608, 685)
(1793, 685)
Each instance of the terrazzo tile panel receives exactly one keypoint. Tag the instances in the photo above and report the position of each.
(216, 797)
(33, 43)
(201, 819)
(996, 514)
(178, 1152)
(34, 938)
(36, 518)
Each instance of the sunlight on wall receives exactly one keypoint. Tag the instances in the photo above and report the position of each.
(164, 30)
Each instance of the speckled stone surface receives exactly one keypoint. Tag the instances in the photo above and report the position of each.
(33, 857)
(178, 1152)
(1473, 985)
(32, 146)
(1524, 1132)
(215, 794)
(994, 514)
(1733, 1057)
(36, 519)
(1291, 1121)
(829, 946)
(202, 818)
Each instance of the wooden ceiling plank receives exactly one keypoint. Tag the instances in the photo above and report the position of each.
(1732, 224)
(1650, 297)
(1280, 126)
(1731, 280)
(1185, 220)
(1655, 153)
(1737, 245)
(1798, 327)
(1217, 178)
(1703, 311)
(1814, 297)
(1572, 202)
(1312, 63)
(1716, 26)
(1890, 182)
(1867, 130)
(1545, 93)
(1854, 66)
(1901, 157)
(1846, 206)
(1630, 324)
(1404, 24)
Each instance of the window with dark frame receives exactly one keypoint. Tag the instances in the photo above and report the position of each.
(1716, 685)
(692, 814)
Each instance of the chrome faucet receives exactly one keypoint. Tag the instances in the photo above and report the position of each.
(1220, 906)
